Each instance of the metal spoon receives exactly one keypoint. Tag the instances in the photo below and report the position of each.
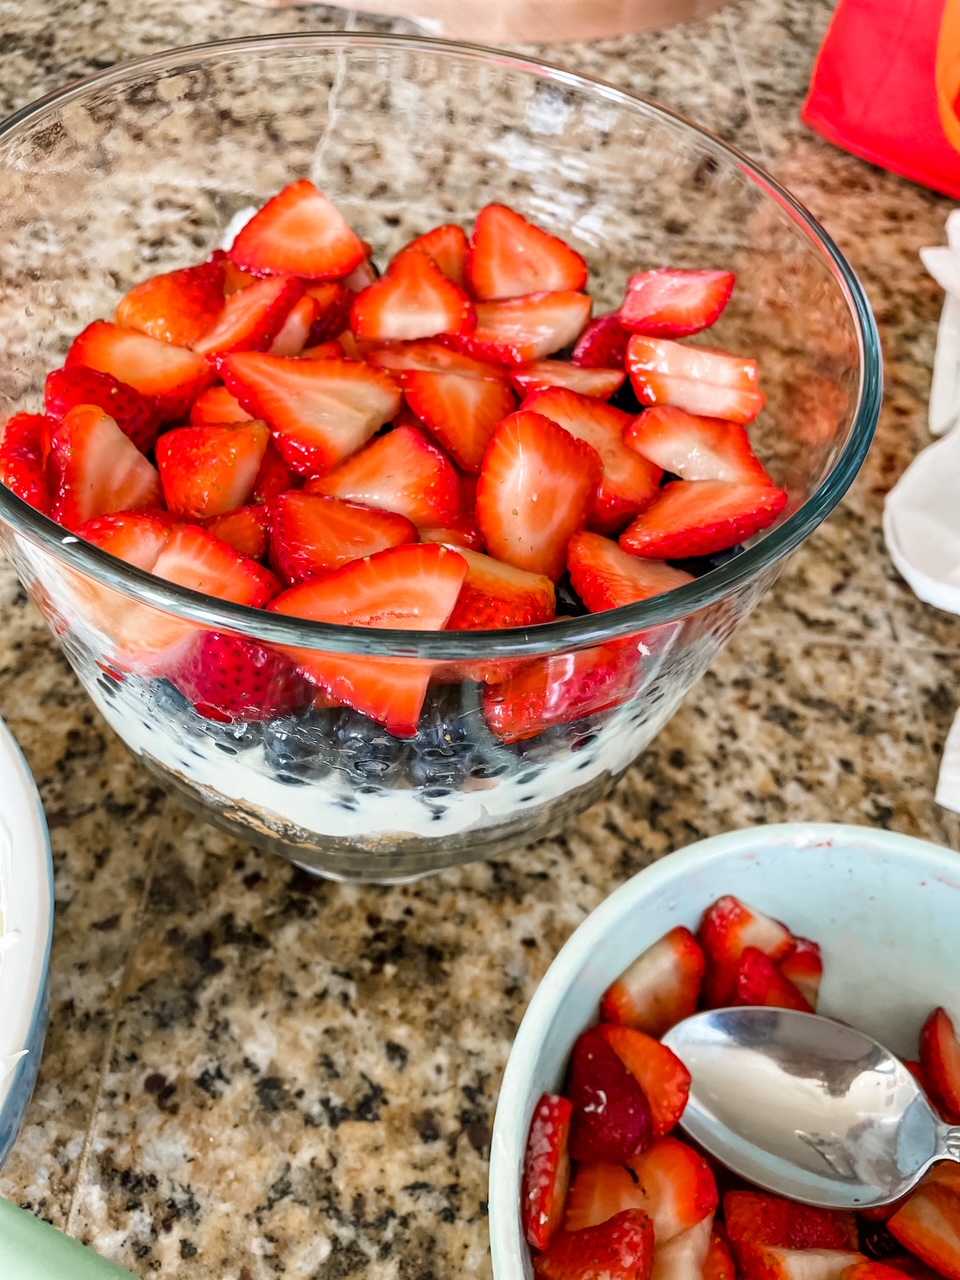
(807, 1107)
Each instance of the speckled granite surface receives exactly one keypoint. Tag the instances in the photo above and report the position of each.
(251, 1074)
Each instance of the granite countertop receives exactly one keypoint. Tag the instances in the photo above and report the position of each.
(250, 1073)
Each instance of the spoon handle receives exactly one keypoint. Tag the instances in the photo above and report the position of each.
(951, 1143)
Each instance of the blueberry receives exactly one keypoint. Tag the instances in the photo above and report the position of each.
(367, 752)
(302, 746)
(699, 565)
(444, 750)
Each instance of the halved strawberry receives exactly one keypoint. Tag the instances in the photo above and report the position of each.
(192, 557)
(461, 531)
(176, 307)
(93, 469)
(228, 678)
(447, 246)
(678, 1185)
(940, 1060)
(246, 529)
(23, 450)
(536, 488)
(217, 404)
(660, 1073)
(769, 1262)
(611, 1116)
(603, 344)
(300, 232)
(621, 1247)
(760, 982)
(461, 411)
(727, 928)
(413, 300)
(401, 471)
(413, 587)
(431, 357)
(136, 415)
(670, 302)
(660, 988)
(754, 1219)
(251, 318)
(295, 332)
(319, 411)
(546, 1170)
(929, 1223)
(274, 476)
(539, 375)
(510, 256)
(628, 483)
(313, 534)
(136, 537)
(211, 469)
(694, 448)
(606, 577)
(699, 517)
(685, 1256)
(519, 330)
(598, 1191)
(804, 968)
(173, 376)
(718, 1264)
(495, 594)
(334, 301)
(715, 384)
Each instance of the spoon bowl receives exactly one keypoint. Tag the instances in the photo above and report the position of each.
(807, 1107)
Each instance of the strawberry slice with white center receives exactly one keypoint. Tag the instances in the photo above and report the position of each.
(598, 1191)
(546, 1170)
(694, 448)
(929, 1223)
(760, 982)
(670, 302)
(461, 411)
(700, 517)
(518, 330)
(496, 595)
(136, 537)
(685, 1256)
(605, 576)
(539, 375)
(313, 534)
(459, 532)
(334, 301)
(23, 450)
(629, 482)
(603, 344)
(320, 411)
(209, 470)
(300, 232)
(230, 678)
(246, 529)
(136, 415)
(510, 256)
(216, 404)
(940, 1060)
(94, 469)
(622, 1247)
(678, 1185)
(804, 968)
(702, 380)
(274, 476)
(296, 329)
(413, 300)
(536, 488)
(408, 588)
(447, 246)
(728, 927)
(193, 558)
(252, 317)
(173, 376)
(176, 307)
(431, 357)
(401, 471)
(660, 988)
(661, 1075)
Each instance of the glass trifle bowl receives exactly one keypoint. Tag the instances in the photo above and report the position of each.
(141, 168)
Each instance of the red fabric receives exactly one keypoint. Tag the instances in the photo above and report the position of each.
(874, 89)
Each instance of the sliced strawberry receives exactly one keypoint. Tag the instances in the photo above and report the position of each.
(137, 416)
(670, 302)
(94, 469)
(300, 232)
(714, 384)
(401, 471)
(611, 1117)
(320, 411)
(332, 316)
(754, 1219)
(685, 1256)
(413, 300)
(873, 1271)
(510, 256)
(233, 277)
(413, 587)
(496, 595)
(727, 928)
(447, 246)
(694, 448)
(599, 1191)
(171, 375)
(603, 344)
(228, 678)
(194, 558)
(606, 577)
(660, 988)
(929, 1225)
(431, 357)
(296, 329)
(274, 476)
(461, 411)
(176, 307)
(804, 968)
(461, 531)
(217, 404)
(940, 1060)
(536, 488)
(625, 487)
(251, 318)
(546, 1170)
(621, 1247)
(539, 375)
(700, 517)
(246, 529)
(519, 330)
(718, 1264)
(363, 274)
(313, 534)
(678, 1184)
(769, 1262)
(332, 350)
(760, 982)
(23, 450)
(659, 1072)
(208, 470)
(137, 537)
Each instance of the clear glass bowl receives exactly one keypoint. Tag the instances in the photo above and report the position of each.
(139, 169)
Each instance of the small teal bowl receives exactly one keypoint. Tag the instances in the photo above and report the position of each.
(26, 932)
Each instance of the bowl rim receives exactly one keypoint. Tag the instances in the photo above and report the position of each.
(520, 641)
(510, 1117)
